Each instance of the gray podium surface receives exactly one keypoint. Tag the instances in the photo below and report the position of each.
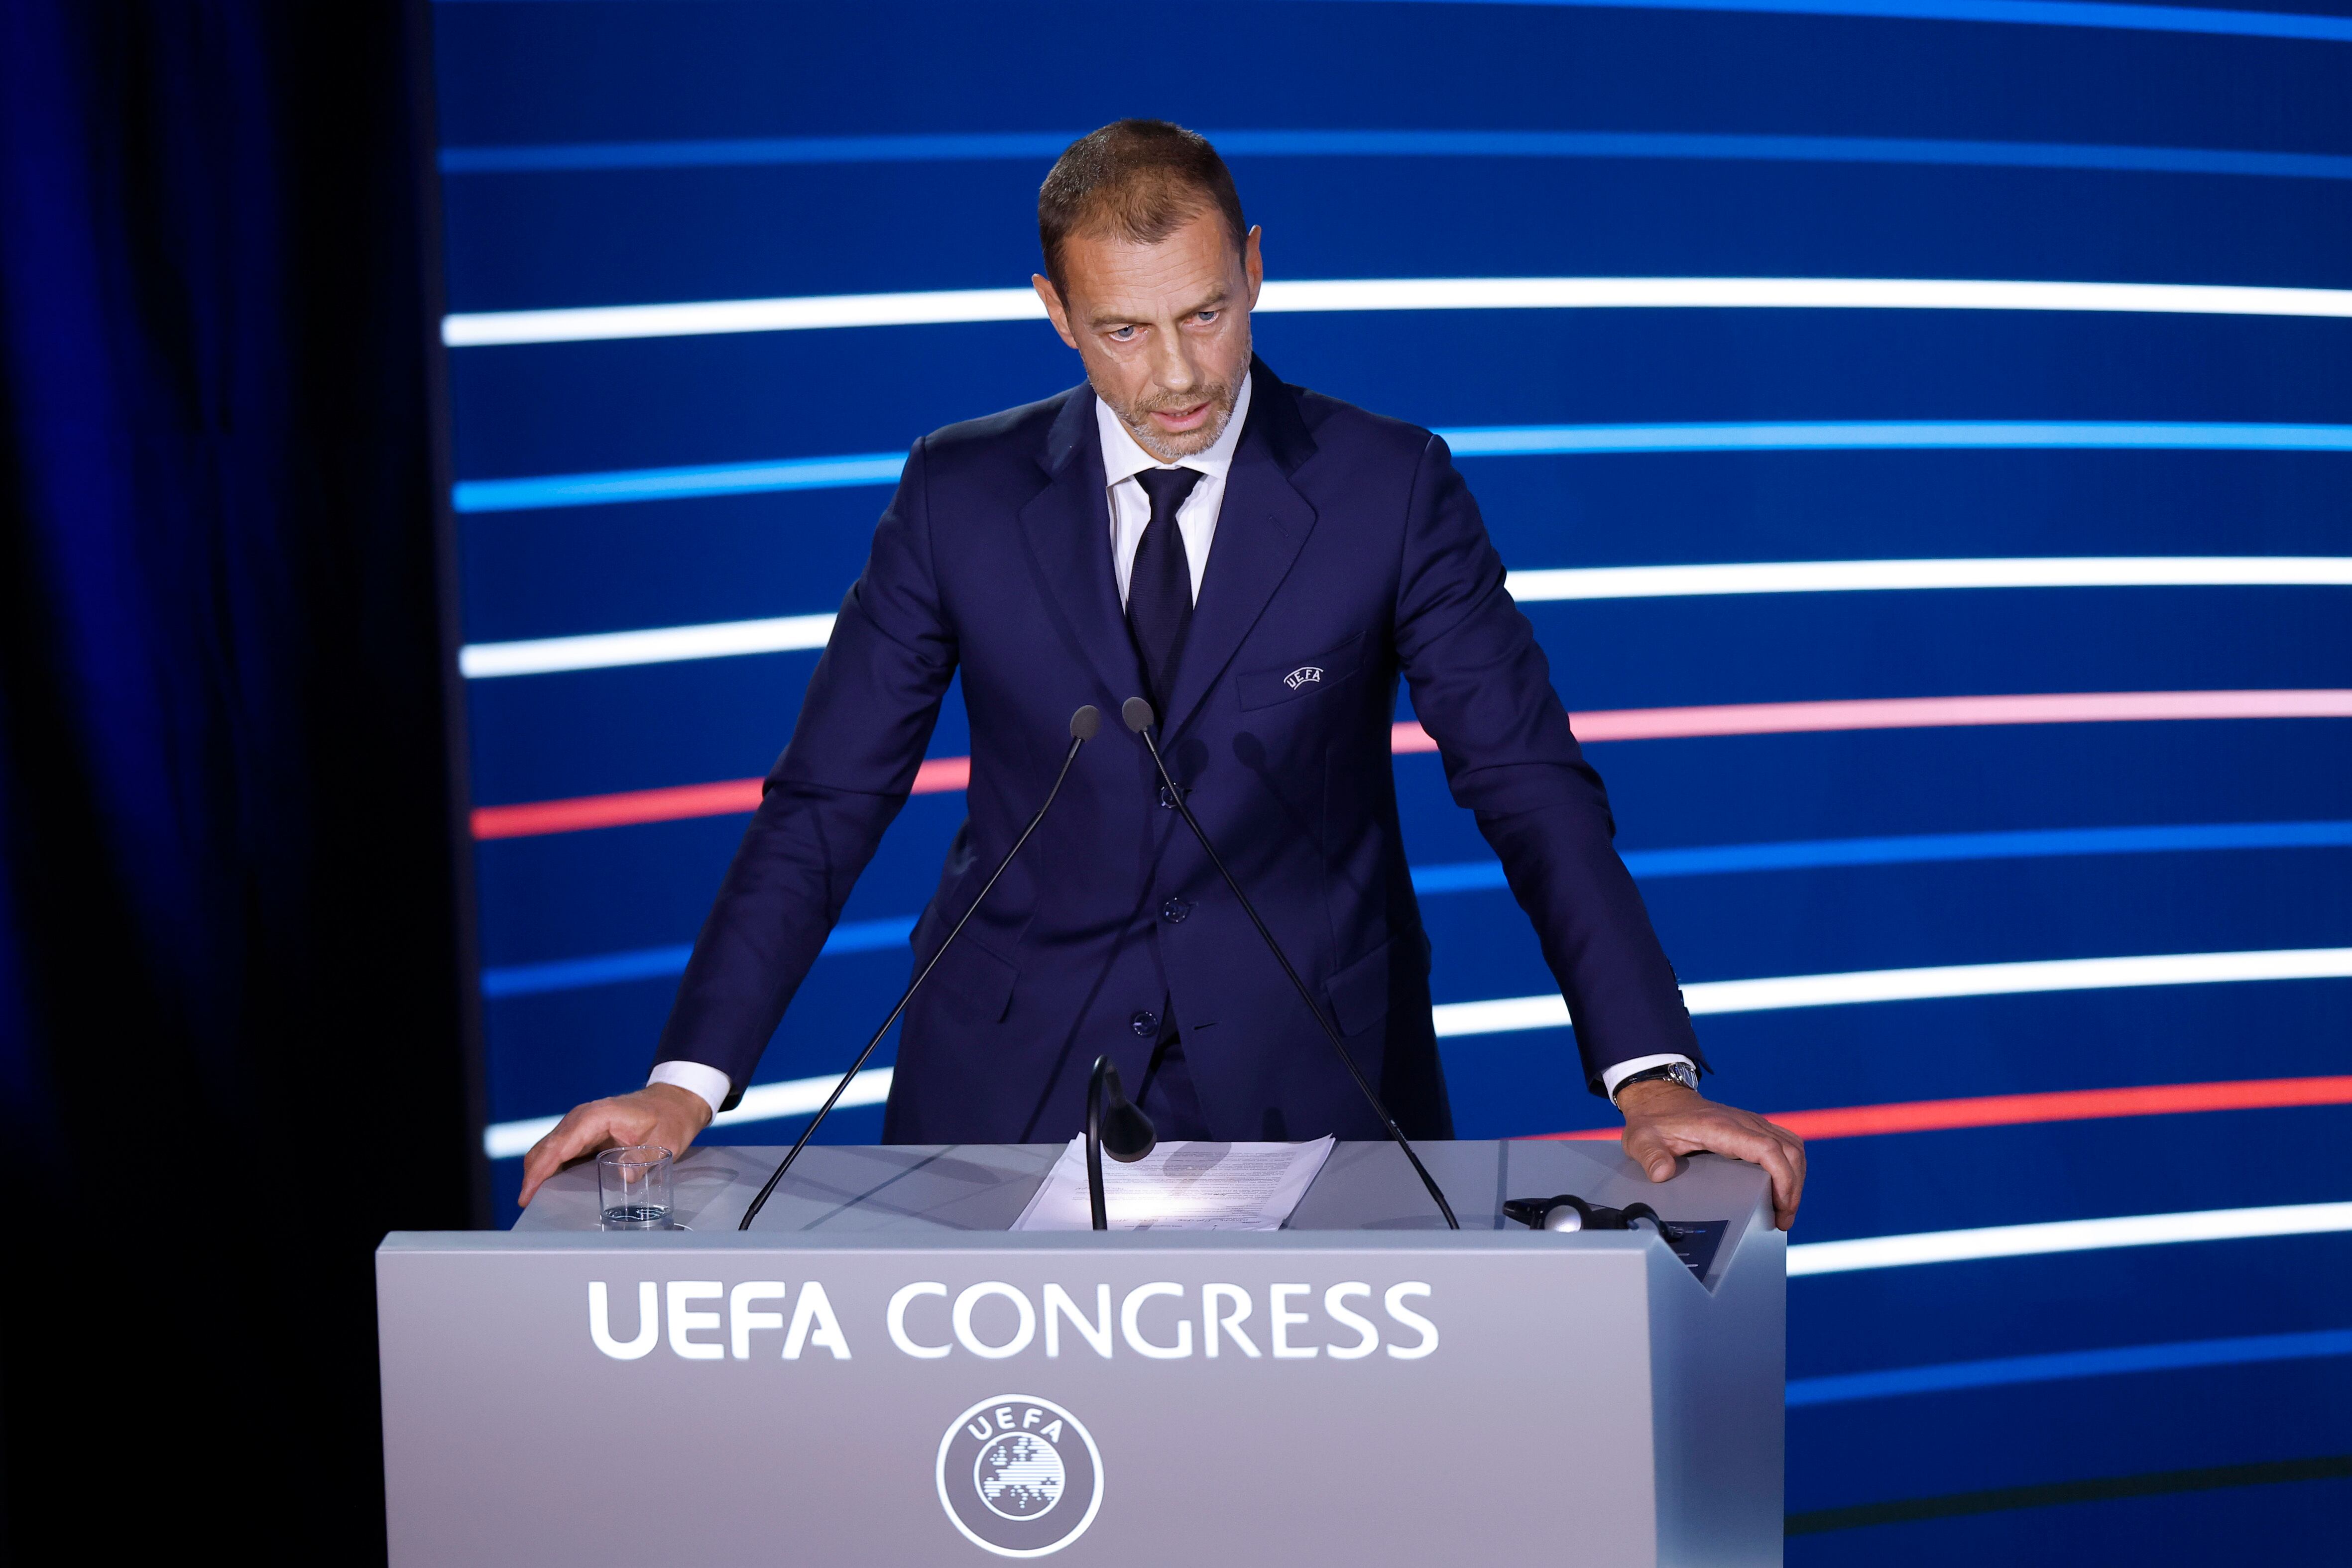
(879, 1372)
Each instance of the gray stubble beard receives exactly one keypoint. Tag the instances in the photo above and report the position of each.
(1150, 441)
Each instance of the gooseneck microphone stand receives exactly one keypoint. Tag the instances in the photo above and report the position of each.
(1116, 1126)
(1083, 725)
(1140, 719)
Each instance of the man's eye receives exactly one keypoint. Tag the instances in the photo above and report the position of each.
(1122, 334)
(1205, 317)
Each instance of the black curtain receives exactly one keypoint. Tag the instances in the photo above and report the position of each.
(230, 1018)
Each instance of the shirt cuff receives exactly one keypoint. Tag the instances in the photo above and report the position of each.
(708, 1081)
(1613, 1074)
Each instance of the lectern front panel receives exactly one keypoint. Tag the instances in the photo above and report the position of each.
(909, 1391)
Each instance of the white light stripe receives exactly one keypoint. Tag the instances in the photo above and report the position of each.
(656, 646)
(700, 317)
(724, 639)
(1851, 576)
(761, 1103)
(1510, 1014)
(803, 1096)
(1895, 435)
(941, 307)
(1797, 293)
(1505, 1015)
(2067, 1236)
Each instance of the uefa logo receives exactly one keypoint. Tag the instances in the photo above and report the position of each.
(1020, 1477)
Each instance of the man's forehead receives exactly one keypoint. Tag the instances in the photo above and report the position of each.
(1114, 276)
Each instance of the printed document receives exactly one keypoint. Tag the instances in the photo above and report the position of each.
(1180, 1186)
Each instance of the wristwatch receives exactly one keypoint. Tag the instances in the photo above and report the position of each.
(1681, 1072)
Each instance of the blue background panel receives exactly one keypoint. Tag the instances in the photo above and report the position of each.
(634, 153)
(575, 407)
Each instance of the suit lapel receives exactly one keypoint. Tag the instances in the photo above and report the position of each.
(1261, 528)
(1069, 528)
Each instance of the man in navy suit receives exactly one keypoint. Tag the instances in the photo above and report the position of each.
(1263, 563)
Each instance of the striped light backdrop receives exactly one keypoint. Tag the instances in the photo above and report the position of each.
(1920, 431)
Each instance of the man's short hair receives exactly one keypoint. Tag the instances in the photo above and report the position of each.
(1140, 180)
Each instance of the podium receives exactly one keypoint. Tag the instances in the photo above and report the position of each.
(879, 1372)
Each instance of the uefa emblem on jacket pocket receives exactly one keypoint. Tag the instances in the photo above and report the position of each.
(1019, 1477)
(1301, 676)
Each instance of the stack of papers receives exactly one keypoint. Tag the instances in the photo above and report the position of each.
(1180, 1186)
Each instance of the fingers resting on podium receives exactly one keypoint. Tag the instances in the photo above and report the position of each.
(1664, 1120)
(660, 1113)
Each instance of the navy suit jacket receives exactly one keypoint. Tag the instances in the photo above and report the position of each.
(1348, 552)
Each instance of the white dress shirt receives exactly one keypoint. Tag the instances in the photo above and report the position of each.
(1130, 512)
(1130, 508)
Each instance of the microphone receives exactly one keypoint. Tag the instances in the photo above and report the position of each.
(1083, 724)
(1140, 719)
(1116, 1126)
(1568, 1212)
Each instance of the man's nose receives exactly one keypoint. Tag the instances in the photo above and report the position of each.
(1174, 370)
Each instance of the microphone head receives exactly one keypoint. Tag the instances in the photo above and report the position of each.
(1086, 722)
(1137, 712)
(1127, 1133)
(1566, 1212)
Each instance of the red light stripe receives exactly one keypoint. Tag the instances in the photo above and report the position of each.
(1930, 713)
(728, 797)
(534, 817)
(944, 773)
(2064, 1105)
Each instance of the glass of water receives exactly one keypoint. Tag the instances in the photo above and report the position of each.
(633, 1185)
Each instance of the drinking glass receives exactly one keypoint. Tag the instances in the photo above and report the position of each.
(633, 1185)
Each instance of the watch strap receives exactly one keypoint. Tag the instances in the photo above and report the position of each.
(1675, 1072)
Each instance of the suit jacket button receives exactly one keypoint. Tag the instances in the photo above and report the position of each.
(1175, 911)
(1145, 1023)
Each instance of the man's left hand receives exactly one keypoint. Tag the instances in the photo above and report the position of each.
(1665, 1119)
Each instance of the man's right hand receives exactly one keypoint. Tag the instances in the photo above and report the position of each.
(660, 1114)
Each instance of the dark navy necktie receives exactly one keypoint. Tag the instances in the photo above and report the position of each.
(1160, 585)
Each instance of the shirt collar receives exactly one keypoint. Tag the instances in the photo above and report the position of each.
(1123, 458)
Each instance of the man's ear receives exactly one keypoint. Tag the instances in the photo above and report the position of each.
(1055, 311)
(1253, 263)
